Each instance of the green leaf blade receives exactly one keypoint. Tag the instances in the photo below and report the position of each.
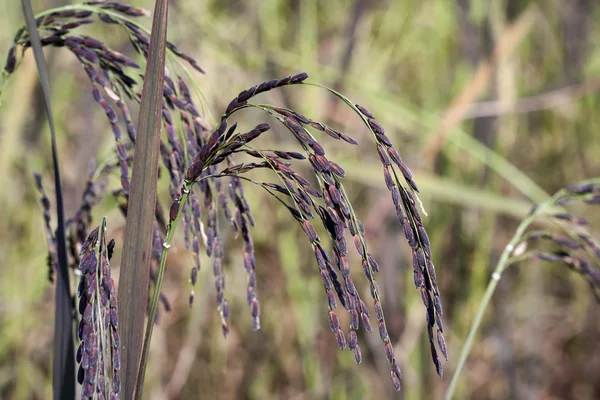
(137, 245)
(63, 362)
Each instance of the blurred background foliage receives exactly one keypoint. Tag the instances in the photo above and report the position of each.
(492, 103)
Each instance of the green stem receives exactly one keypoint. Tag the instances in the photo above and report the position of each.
(503, 263)
(491, 288)
(156, 295)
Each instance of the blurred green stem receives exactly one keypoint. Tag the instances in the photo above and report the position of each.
(505, 260)
(158, 285)
(491, 288)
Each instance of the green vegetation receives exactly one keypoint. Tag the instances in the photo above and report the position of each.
(491, 104)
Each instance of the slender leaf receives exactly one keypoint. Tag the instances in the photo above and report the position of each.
(137, 245)
(63, 380)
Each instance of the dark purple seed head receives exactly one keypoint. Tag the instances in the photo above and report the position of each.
(418, 278)
(255, 308)
(246, 94)
(92, 43)
(327, 178)
(283, 81)
(383, 155)
(383, 139)
(319, 256)
(348, 139)
(340, 338)
(293, 124)
(389, 351)
(318, 126)
(437, 304)
(393, 153)
(232, 105)
(326, 279)
(364, 111)
(296, 155)
(282, 154)
(344, 266)
(336, 197)
(352, 340)
(110, 248)
(317, 148)
(366, 322)
(358, 244)
(284, 112)
(301, 118)
(410, 234)
(194, 170)
(357, 354)
(431, 270)
(378, 311)
(173, 211)
(11, 61)
(194, 276)
(350, 285)
(395, 195)
(331, 298)
(310, 231)
(373, 263)
(376, 127)
(331, 132)
(396, 375)
(383, 331)
(354, 319)
(366, 270)
(38, 181)
(389, 181)
(436, 360)
(442, 344)
(334, 322)
(336, 169)
(262, 127)
(424, 238)
(299, 78)
(73, 41)
(319, 163)
(405, 171)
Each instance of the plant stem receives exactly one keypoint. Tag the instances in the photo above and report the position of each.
(487, 296)
(156, 295)
(504, 262)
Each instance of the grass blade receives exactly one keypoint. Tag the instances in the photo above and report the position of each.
(137, 245)
(63, 365)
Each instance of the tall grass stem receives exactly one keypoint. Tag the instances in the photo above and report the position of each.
(156, 294)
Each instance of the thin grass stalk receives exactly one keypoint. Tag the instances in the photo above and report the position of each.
(63, 366)
(137, 246)
(172, 227)
(503, 263)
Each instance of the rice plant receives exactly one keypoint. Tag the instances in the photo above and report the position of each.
(565, 241)
(207, 181)
(209, 170)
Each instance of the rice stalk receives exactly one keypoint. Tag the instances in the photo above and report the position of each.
(205, 180)
(575, 249)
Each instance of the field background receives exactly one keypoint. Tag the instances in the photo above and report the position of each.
(493, 104)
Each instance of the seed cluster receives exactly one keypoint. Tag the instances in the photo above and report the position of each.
(574, 247)
(405, 200)
(206, 187)
(98, 352)
(77, 226)
(52, 258)
(328, 200)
